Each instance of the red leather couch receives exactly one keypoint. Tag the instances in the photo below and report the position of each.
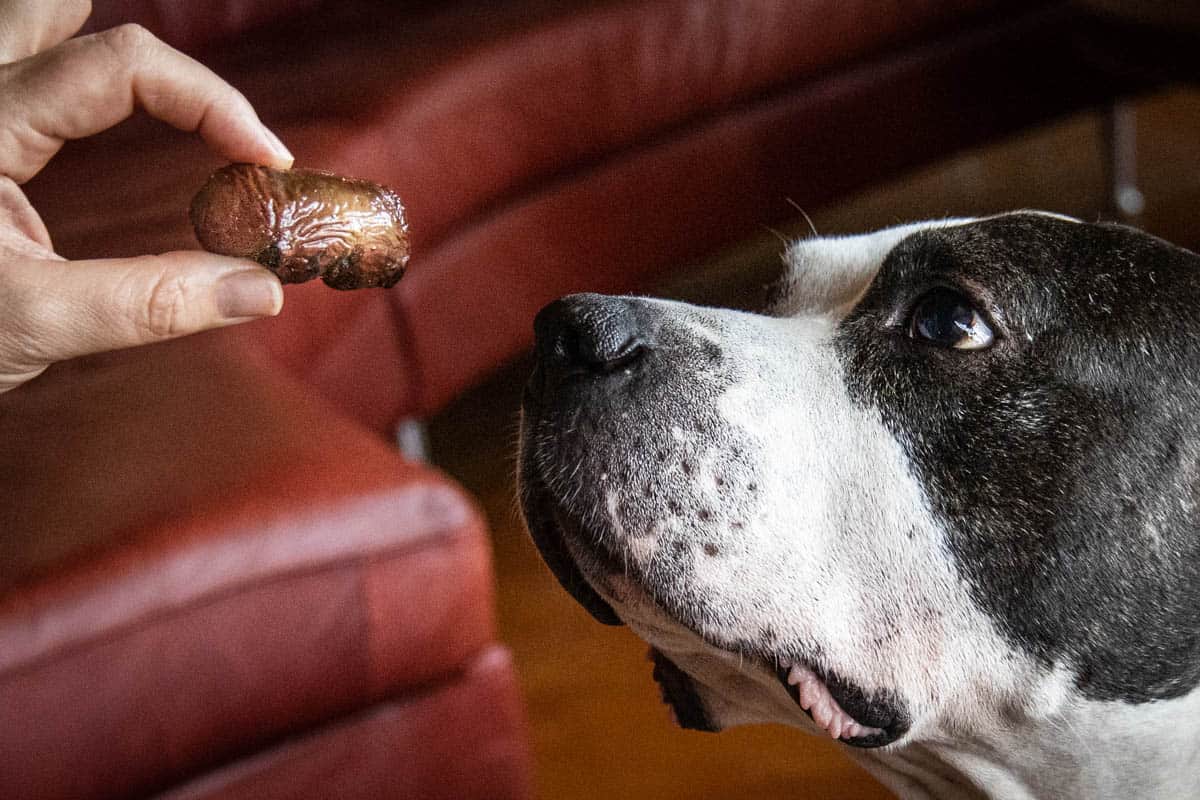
(216, 579)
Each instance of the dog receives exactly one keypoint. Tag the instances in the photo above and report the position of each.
(938, 502)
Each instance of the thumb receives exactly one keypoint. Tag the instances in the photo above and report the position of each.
(55, 310)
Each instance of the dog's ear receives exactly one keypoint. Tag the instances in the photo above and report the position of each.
(828, 275)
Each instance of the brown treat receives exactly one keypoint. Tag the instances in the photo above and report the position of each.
(302, 224)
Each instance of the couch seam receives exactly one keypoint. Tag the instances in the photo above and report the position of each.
(451, 535)
(411, 694)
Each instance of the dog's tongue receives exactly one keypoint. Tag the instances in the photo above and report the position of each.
(817, 701)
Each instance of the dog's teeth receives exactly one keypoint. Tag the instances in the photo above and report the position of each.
(823, 713)
(835, 726)
(814, 697)
(809, 696)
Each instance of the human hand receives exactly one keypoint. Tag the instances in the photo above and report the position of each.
(53, 88)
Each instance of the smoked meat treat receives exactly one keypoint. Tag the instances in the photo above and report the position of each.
(303, 224)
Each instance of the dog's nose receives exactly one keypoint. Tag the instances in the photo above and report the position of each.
(588, 333)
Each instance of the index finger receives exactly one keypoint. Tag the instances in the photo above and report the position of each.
(86, 85)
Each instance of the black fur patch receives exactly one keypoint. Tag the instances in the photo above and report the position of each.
(1062, 460)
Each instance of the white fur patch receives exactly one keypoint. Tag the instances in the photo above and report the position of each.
(830, 274)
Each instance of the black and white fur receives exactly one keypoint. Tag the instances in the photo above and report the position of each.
(989, 559)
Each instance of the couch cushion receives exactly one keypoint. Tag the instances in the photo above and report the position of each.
(199, 558)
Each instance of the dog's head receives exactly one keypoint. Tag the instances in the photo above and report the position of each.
(948, 483)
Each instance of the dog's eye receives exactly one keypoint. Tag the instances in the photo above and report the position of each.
(946, 318)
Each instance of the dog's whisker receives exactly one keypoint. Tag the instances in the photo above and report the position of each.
(804, 214)
(784, 240)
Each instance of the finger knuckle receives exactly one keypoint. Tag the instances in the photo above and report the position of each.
(30, 317)
(236, 96)
(166, 307)
(129, 41)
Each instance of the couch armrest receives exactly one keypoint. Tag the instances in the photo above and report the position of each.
(198, 559)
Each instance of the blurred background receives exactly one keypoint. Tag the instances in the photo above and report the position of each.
(285, 560)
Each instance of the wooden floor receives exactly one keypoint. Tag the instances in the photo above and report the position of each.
(598, 728)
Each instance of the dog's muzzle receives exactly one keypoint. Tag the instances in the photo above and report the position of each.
(581, 340)
(614, 381)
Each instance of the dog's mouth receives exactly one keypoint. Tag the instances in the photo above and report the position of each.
(823, 697)
(842, 709)
(806, 688)
(837, 706)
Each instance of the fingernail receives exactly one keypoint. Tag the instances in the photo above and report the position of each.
(279, 148)
(249, 293)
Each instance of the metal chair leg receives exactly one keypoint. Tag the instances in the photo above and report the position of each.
(1126, 201)
(412, 437)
